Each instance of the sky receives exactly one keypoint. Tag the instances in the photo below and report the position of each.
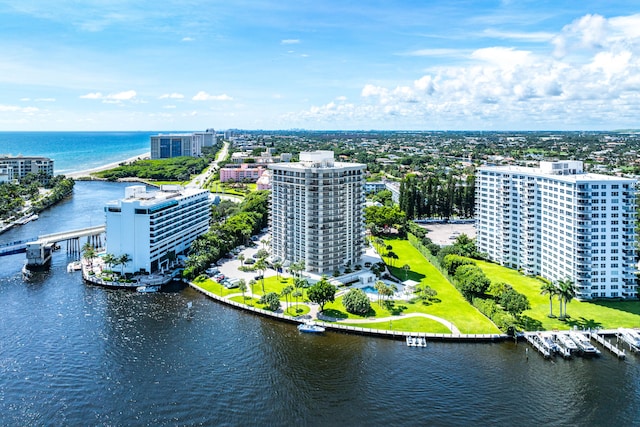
(320, 64)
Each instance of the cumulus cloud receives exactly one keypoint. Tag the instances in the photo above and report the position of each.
(588, 74)
(17, 109)
(204, 96)
(112, 98)
(171, 96)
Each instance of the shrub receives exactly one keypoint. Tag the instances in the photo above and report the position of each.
(356, 302)
(271, 301)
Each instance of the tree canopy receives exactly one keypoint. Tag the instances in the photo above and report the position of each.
(321, 293)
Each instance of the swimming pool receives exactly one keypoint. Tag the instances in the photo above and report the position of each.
(369, 290)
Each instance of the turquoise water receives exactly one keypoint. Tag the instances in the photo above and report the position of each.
(76, 151)
(370, 290)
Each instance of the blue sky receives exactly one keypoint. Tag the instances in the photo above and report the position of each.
(261, 64)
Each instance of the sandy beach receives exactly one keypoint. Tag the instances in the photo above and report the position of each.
(87, 173)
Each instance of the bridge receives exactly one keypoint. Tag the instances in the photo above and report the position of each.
(39, 250)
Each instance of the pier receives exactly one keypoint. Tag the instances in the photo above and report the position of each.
(39, 251)
(608, 345)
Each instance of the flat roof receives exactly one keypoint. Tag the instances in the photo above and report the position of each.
(585, 176)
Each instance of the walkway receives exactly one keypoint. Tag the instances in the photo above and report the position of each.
(315, 314)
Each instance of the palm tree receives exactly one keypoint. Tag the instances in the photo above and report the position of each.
(109, 260)
(550, 289)
(242, 285)
(296, 294)
(123, 260)
(88, 253)
(241, 259)
(261, 266)
(277, 266)
(379, 286)
(252, 283)
(379, 242)
(406, 269)
(567, 292)
(285, 293)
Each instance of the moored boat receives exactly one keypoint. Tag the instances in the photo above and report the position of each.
(310, 327)
(148, 288)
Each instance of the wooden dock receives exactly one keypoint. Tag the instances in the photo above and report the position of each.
(534, 340)
(609, 346)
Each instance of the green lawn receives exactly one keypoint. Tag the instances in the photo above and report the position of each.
(448, 304)
(604, 314)
(415, 324)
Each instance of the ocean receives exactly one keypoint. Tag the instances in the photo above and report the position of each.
(76, 151)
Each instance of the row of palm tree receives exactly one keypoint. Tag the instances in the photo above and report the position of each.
(384, 290)
(111, 261)
(564, 290)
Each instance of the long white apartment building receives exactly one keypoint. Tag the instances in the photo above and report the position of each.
(23, 165)
(154, 226)
(317, 212)
(558, 222)
(165, 146)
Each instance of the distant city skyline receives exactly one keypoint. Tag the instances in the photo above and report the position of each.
(260, 64)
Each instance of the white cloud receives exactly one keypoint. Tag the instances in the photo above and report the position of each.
(112, 98)
(204, 96)
(290, 41)
(92, 95)
(187, 39)
(25, 99)
(592, 80)
(435, 52)
(341, 98)
(17, 109)
(171, 96)
(46, 99)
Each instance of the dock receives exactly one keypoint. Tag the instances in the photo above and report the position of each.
(534, 340)
(608, 345)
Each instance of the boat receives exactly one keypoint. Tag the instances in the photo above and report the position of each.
(416, 342)
(148, 288)
(548, 343)
(629, 336)
(26, 219)
(566, 342)
(74, 266)
(584, 344)
(310, 327)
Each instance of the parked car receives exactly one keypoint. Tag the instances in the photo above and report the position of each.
(258, 277)
(249, 261)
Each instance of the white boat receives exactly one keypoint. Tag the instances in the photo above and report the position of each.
(310, 327)
(630, 336)
(583, 343)
(148, 288)
(566, 342)
(74, 266)
(416, 342)
(547, 342)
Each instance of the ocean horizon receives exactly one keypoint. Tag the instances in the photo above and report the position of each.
(75, 151)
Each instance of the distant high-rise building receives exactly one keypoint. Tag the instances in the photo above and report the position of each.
(153, 227)
(165, 146)
(317, 212)
(22, 165)
(560, 223)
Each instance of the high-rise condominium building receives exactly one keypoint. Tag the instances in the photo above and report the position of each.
(317, 212)
(560, 223)
(153, 227)
(165, 146)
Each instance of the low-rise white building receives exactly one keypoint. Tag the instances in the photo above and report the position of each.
(152, 227)
(23, 165)
(558, 222)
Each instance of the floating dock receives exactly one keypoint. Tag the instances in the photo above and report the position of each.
(608, 345)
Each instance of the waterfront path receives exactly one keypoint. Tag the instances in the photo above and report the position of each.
(315, 314)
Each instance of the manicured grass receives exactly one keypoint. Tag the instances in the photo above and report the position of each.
(414, 324)
(449, 303)
(215, 287)
(603, 314)
(297, 310)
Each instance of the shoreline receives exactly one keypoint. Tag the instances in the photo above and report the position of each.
(87, 172)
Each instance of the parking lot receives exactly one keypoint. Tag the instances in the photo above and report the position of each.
(229, 267)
